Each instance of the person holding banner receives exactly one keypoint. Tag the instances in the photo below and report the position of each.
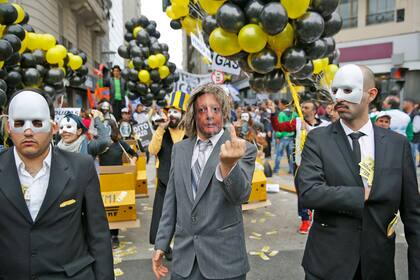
(74, 139)
(53, 222)
(167, 134)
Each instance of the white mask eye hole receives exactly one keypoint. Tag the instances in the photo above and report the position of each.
(37, 123)
(347, 90)
(18, 123)
(334, 90)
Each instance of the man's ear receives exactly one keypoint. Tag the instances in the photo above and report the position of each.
(373, 92)
(8, 127)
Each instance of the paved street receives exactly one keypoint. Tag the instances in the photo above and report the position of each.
(274, 226)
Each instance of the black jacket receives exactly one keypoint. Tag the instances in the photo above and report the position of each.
(66, 241)
(346, 229)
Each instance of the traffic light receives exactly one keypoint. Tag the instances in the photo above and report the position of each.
(398, 73)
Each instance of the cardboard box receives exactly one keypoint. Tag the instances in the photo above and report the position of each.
(120, 205)
(117, 178)
(259, 191)
(141, 185)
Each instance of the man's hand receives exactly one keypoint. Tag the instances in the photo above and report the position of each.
(165, 122)
(230, 152)
(97, 114)
(158, 268)
(367, 193)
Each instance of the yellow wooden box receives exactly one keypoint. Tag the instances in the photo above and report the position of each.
(120, 205)
(259, 190)
(141, 179)
(117, 178)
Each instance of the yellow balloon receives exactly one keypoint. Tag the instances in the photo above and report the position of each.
(224, 43)
(318, 66)
(2, 28)
(211, 6)
(164, 72)
(20, 13)
(170, 13)
(1, 64)
(295, 8)
(144, 76)
(34, 41)
(180, 10)
(130, 64)
(135, 30)
(153, 62)
(283, 40)
(53, 55)
(252, 38)
(62, 50)
(325, 61)
(23, 45)
(329, 73)
(189, 24)
(47, 41)
(181, 2)
(161, 59)
(75, 62)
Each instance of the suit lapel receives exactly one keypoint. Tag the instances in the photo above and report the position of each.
(10, 185)
(210, 168)
(58, 179)
(340, 138)
(188, 153)
(380, 151)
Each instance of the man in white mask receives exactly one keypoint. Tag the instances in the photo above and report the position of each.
(165, 136)
(359, 179)
(53, 221)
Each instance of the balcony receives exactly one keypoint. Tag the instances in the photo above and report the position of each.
(93, 13)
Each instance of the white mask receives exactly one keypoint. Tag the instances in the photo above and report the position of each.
(245, 117)
(174, 113)
(69, 125)
(29, 110)
(348, 84)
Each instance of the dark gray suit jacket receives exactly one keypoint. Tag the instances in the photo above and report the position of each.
(111, 84)
(71, 242)
(209, 228)
(346, 229)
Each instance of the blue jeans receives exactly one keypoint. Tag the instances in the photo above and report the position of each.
(286, 143)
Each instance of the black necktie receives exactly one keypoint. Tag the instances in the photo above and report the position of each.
(356, 146)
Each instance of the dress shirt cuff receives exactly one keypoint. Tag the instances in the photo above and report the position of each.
(219, 176)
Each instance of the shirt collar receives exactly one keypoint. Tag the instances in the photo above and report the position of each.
(214, 139)
(19, 163)
(366, 129)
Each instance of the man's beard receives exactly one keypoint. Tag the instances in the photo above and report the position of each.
(173, 123)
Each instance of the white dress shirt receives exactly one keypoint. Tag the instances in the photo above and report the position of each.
(366, 142)
(33, 188)
(214, 139)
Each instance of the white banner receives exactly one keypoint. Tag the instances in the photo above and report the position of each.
(200, 46)
(61, 112)
(223, 64)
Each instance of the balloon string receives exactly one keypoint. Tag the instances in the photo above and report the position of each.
(295, 97)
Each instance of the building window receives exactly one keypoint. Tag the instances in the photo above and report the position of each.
(380, 11)
(348, 11)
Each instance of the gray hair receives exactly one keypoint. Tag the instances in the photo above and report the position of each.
(188, 120)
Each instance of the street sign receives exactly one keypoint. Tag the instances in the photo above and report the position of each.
(144, 133)
(225, 65)
(218, 77)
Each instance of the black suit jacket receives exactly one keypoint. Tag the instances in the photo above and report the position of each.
(70, 242)
(346, 229)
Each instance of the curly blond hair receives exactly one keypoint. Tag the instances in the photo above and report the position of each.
(188, 121)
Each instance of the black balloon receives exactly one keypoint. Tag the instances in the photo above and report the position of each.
(240, 3)
(17, 30)
(49, 89)
(124, 52)
(129, 25)
(160, 95)
(131, 95)
(243, 63)
(256, 82)
(155, 87)
(253, 10)
(133, 75)
(41, 69)
(155, 48)
(325, 7)
(136, 52)
(154, 75)
(8, 14)
(31, 77)
(164, 47)
(237, 56)
(27, 60)
(13, 79)
(145, 51)
(230, 17)
(3, 85)
(151, 29)
(83, 71)
(28, 28)
(3, 98)
(330, 44)
(293, 59)
(316, 49)
(273, 18)
(143, 37)
(141, 89)
(306, 71)
(131, 86)
(333, 24)
(171, 66)
(12, 60)
(157, 34)
(209, 24)
(309, 27)
(54, 76)
(6, 49)
(161, 103)
(25, 18)
(175, 24)
(138, 63)
(128, 36)
(143, 21)
(14, 41)
(83, 56)
(39, 56)
(264, 61)
(274, 81)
